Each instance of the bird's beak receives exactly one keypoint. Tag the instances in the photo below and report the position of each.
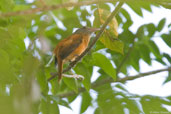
(94, 29)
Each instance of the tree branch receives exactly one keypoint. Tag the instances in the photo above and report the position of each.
(110, 80)
(71, 4)
(54, 7)
(93, 42)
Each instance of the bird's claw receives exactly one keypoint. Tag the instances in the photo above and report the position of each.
(80, 77)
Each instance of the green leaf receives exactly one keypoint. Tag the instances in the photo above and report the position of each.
(145, 53)
(108, 103)
(133, 106)
(136, 8)
(168, 79)
(154, 48)
(127, 37)
(151, 29)
(139, 5)
(121, 86)
(166, 5)
(160, 61)
(41, 78)
(167, 56)
(54, 109)
(146, 5)
(65, 103)
(3, 22)
(6, 5)
(167, 39)
(60, 101)
(153, 104)
(135, 57)
(86, 101)
(140, 32)
(49, 107)
(7, 76)
(81, 69)
(71, 98)
(125, 13)
(71, 83)
(169, 25)
(99, 46)
(104, 63)
(98, 111)
(161, 24)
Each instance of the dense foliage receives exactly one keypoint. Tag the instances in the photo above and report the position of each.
(27, 42)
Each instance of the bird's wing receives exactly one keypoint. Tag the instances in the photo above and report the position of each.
(71, 44)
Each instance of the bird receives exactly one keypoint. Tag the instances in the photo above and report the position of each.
(68, 49)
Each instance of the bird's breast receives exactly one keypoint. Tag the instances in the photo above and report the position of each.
(80, 49)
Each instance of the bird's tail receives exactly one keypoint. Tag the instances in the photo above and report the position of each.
(56, 61)
(60, 68)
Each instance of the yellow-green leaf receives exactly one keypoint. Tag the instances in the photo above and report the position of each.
(114, 45)
(109, 37)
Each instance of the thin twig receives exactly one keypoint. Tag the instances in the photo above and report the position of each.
(110, 80)
(93, 42)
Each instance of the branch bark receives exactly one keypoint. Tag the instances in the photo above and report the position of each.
(110, 80)
(116, 10)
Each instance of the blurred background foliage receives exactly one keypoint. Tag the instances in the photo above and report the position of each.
(27, 41)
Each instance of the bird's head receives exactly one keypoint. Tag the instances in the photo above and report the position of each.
(86, 30)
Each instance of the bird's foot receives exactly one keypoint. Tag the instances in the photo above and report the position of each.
(76, 76)
(80, 77)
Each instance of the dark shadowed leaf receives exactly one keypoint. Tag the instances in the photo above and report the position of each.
(167, 39)
(154, 48)
(145, 53)
(160, 60)
(167, 56)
